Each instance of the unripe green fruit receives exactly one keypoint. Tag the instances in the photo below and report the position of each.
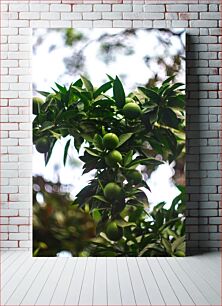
(113, 232)
(134, 177)
(36, 104)
(113, 158)
(113, 192)
(131, 110)
(110, 141)
(42, 145)
(129, 100)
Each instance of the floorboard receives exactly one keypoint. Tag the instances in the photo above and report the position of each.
(193, 280)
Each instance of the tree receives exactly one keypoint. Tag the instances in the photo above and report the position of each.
(115, 130)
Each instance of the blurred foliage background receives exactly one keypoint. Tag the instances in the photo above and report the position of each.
(57, 225)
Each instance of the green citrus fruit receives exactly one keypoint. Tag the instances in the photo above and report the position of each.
(36, 104)
(113, 192)
(129, 100)
(110, 141)
(131, 110)
(42, 145)
(113, 158)
(134, 177)
(113, 232)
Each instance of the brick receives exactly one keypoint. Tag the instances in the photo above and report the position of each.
(180, 23)
(18, 23)
(18, 236)
(207, 15)
(102, 23)
(29, 15)
(93, 15)
(19, 7)
(60, 8)
(112, 15)
(82, 8)
(137, 8)
(24, 229)
(39, 23)
(60, 23)
(36, 7)
(122, 23)
(154, 8)
(71, 16)
(135, 15)
(198, 7)
(9, 244)
(215, 220)
(203, 23)
(177, 8)
(50, 16)
(9, 212)
(82, 23)
(102, 7)
(121, 7)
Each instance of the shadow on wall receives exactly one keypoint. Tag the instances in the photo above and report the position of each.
(192, 148)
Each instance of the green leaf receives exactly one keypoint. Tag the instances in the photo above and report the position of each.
(128, 158)
(146, 161)
(123, 138)
(123, 223)
(62, 89)
(66, 151)
(98, 141)
(92, 152)
(88, 85)
(110, 77)
(168, 80)
(118, 92)
(176, 102)
(78, 83)
(100, 198)
(49, 153)
(43, 93)
(149, 93)
(177, 243)
(169, 118)
(102, 89)
(167, 246)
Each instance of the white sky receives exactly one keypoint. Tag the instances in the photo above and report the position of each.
(49, 68)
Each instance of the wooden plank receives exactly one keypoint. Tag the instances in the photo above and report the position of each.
(62, 287)
(188, 283)
(6, 255)
(214, 280)
(152, 287)
(75, 286)
(10, 261)
(113, 285)
(100, 283)
(210, 260)
(86, 294)
(175, 282)
(167, 291)
(13, 269)
(17, 278)
(208, 292)
(126, 288)
(47, 292)
(39, 282)
(18, 294)
(139, 288)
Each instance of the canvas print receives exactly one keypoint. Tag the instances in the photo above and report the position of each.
(109, 142)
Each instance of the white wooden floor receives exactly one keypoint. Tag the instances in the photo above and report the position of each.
(110, 281)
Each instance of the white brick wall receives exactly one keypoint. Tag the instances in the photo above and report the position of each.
(200, 17)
